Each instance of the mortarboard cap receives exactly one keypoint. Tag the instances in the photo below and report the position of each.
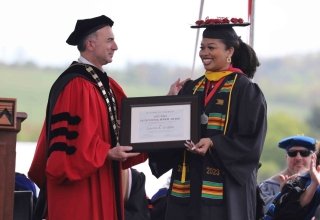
(299, 140)
(85, 27)
(220, 28)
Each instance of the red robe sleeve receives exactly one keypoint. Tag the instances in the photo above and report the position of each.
(83, 147)
(79, 99)
(37, 169)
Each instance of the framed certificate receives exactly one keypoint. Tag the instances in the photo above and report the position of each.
(159, 122)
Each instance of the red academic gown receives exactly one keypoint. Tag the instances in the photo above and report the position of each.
(80, 180)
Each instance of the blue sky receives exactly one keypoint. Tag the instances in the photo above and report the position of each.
(151, 30)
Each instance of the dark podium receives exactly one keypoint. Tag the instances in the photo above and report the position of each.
(10, 125)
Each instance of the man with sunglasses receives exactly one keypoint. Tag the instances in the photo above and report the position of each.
(298, 157)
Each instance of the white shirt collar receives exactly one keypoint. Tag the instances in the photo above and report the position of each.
(81, 59)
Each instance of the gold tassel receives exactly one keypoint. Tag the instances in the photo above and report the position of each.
(184, 169)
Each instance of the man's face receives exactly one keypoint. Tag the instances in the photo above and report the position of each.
(101, 46)
(299, 161)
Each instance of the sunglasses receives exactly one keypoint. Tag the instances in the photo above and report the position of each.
(303, 153)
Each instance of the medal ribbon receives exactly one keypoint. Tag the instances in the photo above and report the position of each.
(217, 76)
(212, 92)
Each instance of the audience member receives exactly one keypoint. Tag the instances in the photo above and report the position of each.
(298, 158)
(300, 195)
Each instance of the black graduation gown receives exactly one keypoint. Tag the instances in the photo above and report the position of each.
(222, 184)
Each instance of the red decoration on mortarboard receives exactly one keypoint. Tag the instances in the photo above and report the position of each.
(225, 21)
(236, 20)
(219, 21)
(199, 22)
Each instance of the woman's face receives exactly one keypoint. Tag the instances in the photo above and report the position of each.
(214, 54)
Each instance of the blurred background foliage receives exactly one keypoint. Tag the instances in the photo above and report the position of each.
(290, 85)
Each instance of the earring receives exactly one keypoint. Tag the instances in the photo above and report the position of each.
(229, 60)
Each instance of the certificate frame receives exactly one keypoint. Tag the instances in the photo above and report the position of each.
(176, 111)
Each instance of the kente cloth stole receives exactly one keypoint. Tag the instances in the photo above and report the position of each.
(212, 182)
(219, 105)
(112, 108)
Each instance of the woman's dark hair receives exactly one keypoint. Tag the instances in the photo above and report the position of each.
(244, 57)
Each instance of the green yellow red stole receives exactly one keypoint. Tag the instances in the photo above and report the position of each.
(218, 112)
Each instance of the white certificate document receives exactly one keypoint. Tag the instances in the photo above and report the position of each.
(160, 123)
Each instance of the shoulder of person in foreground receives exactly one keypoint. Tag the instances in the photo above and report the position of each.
(136, 207)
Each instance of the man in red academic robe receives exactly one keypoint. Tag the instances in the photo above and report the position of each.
(78, 161)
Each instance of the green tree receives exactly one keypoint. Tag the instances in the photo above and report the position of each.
(314, 118)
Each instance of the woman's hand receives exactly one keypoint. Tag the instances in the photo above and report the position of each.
(201, 147)
(176, 86)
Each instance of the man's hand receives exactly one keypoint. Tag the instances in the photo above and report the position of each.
(121, 153)
(314, 170)
(283, 179)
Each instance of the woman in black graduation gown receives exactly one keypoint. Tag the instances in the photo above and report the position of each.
(216, 178)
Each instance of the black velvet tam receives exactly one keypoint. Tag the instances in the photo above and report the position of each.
(85, 27)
